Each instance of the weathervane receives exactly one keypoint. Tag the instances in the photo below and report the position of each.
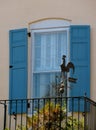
(64, 70)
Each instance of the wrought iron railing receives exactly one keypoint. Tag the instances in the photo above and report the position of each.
(58, 113)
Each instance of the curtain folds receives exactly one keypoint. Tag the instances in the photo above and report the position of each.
(48, 50)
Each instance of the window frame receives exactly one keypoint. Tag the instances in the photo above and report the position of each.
(50, 25)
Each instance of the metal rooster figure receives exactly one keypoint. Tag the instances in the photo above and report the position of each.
(64, 70)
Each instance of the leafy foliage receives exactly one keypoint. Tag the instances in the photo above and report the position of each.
(52, 116)
(19, 127)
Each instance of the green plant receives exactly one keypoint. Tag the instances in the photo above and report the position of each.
(48, 115)
(6, 129)
(19, 127)
(73, 123)
(51, 115)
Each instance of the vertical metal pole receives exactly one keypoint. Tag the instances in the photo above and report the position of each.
(5, 107)
(64, 78)
(85, 107)
(66, 98)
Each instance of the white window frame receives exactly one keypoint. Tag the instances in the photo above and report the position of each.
(48, 25)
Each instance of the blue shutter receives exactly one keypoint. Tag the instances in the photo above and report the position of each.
(80, 56)
(18, 68)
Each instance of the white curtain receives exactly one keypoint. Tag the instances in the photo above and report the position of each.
(48, 50)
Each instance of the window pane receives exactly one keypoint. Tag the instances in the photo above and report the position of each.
(45, 84)
(48, 50)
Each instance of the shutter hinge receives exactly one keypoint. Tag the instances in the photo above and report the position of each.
(29, 34)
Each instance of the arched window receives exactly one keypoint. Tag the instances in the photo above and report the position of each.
(50, 40)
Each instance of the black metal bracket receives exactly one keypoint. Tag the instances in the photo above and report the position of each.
(28, 105)
(14, 115)
(11, 66)
(29, 34)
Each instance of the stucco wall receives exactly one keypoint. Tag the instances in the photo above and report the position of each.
(18, 13)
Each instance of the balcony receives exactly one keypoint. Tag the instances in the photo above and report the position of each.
(52, 113)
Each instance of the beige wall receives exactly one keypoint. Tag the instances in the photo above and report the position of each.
(18, 13)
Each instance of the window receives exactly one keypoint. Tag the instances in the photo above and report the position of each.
(50, 40)
(47, 39)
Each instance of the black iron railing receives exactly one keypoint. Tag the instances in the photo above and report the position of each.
(60, 113)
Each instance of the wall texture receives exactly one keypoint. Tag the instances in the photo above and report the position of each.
(18, 13)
